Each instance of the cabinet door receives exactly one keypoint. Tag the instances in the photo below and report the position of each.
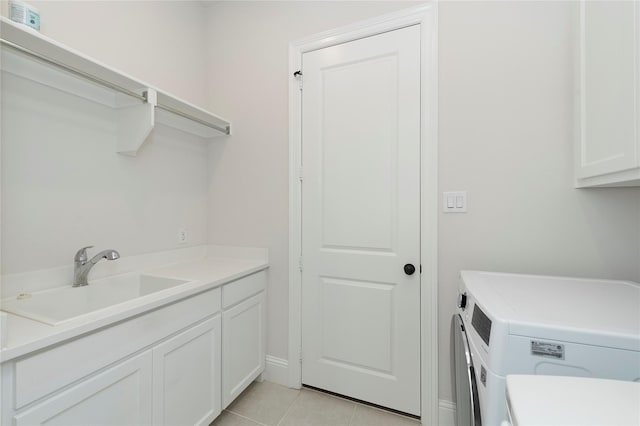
(243, 346)
(120, 395)
(186, 376)
(608, 140)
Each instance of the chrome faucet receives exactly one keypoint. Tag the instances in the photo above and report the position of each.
(82, 264)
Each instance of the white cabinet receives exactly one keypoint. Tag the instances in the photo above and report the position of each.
(161, 368)
(243, 321)
(179, 364)
(186, 376)
(607, 147)
(175, 383)
(118, 396)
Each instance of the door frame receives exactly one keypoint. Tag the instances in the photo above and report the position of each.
(426, 16)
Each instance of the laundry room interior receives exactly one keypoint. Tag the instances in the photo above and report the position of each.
(233, 181)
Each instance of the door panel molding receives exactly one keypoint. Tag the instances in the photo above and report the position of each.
(361, 161)
(425, 16)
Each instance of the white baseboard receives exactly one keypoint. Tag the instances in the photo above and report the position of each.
(446, 413)
(276, 370)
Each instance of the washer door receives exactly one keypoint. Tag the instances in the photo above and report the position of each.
(467, 402)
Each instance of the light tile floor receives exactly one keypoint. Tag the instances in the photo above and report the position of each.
(268, 404)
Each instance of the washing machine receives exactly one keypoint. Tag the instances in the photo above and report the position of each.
(541, 325)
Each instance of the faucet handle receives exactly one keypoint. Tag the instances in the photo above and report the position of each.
(81, 255)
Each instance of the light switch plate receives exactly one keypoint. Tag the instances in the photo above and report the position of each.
(454, 202)
(182, 236)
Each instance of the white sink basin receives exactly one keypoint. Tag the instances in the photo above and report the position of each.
(64, 304)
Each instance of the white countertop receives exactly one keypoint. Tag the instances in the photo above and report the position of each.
(557, 400)
(22, 335)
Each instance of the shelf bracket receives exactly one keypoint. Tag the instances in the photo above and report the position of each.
(135, 123)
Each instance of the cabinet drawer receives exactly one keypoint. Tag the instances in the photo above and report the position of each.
(243, 288)
(43, 373)
(117, 396)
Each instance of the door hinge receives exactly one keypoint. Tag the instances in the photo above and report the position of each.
(300, 263)
(300, 355)
(300, 174)
(420, 268)
(298, 76)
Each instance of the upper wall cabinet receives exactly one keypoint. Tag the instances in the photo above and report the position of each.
(28, 54)
(607, 150)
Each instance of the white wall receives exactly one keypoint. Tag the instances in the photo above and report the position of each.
(248, 72)
(505, 136)
(506, 108)
(158, 42)
(63, 185)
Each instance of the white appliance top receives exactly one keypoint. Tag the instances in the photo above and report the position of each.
(558, 400)
(590, 311)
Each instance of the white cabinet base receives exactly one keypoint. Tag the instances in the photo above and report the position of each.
(243, 344)
(117, 396)
(186, 376)
(164, 367)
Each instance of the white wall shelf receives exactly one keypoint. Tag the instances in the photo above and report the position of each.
(28, 54)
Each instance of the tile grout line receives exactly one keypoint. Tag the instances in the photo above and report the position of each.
(336, 397)
(246, 418)
(289, 407)
(355, 407)
(353, 413)
(382, 410)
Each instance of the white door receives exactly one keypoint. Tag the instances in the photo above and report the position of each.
(361, 219)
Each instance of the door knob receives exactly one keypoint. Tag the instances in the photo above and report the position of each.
(409, 269)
